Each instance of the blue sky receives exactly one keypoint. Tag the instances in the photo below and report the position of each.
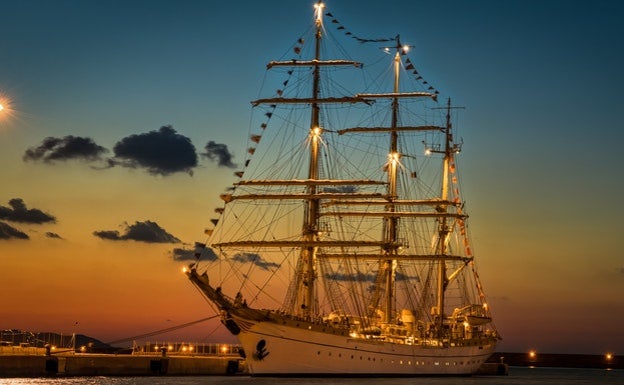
(541, 82)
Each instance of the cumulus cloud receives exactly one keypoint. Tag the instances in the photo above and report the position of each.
(61, 149)
(148, 231)
(341, 189)
(220, 153)
(18, 212)
(161, 152)
(254, 258)
(7, 232)
(199, 252)
(361, 277)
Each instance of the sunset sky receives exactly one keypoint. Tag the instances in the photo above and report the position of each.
(123, 121)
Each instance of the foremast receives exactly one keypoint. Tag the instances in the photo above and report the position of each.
(304, 302)
(310, 231)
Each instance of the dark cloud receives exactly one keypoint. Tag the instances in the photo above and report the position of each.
(19, 213)
(61, 149)
(341, 189)
(7, 232)
(361, 277)
(147, 231)
(53, 235)
(161, 152)
(200, 250)
(220, 153)
(254, 258)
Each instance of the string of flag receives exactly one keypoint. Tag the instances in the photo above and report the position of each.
(255, 139)
(462, 226)
(409, 65)
(341, 27)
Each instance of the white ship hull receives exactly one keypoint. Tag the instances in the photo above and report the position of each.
(274, 349)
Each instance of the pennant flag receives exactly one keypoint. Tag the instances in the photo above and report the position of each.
(341, 27)
(290, 72)
(256, 138)
(251, 150)
(329, 14)
(297, 50)
(247, 162)
(279, 92)
(219, 210)
(214, 221)
(263, 126)
(285, 82)
(300, 41)
(409, 67)
(269, 114)
(239, 174)
(227, 198)
(208, 231)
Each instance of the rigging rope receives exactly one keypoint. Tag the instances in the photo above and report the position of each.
(162, 331)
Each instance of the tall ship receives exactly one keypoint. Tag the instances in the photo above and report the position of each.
(343, 247)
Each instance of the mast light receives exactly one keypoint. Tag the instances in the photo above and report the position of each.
(319, 11)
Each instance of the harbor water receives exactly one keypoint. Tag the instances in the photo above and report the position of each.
(517, 376)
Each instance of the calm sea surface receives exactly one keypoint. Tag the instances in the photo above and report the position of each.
(517, 376)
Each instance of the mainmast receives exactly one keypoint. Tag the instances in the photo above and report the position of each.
(391, 222)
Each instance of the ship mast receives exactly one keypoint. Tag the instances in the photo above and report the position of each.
(391, 222)
(443, 228)
(311, 215)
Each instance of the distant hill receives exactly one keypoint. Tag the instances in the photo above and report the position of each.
(16, 337)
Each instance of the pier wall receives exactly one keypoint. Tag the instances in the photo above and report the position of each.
(117, 365)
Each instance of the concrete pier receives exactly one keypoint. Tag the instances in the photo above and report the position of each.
(117, 365)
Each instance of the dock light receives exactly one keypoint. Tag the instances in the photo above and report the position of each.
(609, 357)
(83, 349)
(532, 354)
(224, 349)
(185, 269)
